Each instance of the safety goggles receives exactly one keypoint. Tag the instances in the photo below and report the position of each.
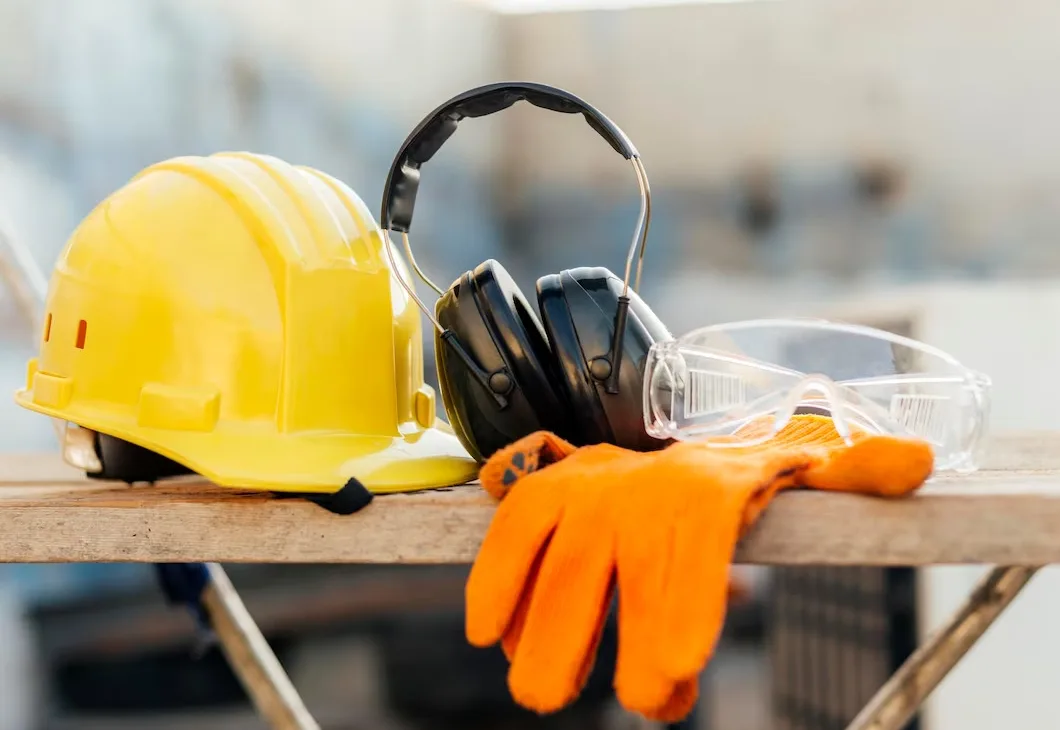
(712, 383)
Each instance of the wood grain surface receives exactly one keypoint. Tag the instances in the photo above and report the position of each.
(1007, 513)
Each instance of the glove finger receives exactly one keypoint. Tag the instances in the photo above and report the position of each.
(567, 607)
(519, 530)
(527, 455)
(589, 659)
(880, 465)
(645, 520)
(510, 641)
(514, 632)
(679, 704)
(524, 521)
(694, 604)
(698, 586)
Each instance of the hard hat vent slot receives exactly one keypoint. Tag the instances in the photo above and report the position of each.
(82, 330)
(48, 327)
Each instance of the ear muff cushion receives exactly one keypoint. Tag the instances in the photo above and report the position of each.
(493, 321)
(522, 340)
(578, 309)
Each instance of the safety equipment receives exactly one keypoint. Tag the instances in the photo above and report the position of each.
(235, 316)
(502, 372)
(575, 525)
(714, 380)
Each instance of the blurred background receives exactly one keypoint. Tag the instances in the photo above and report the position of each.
(890, 161)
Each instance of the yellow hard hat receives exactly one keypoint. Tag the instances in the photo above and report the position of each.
(237, 315)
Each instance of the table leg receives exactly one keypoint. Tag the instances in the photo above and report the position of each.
(898, 700)
(251, 658)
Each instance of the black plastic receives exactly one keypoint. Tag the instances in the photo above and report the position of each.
(402, 182)
(353, 497)
(489, 381)
(127, 462)
(614, 359)
(578, 311)
(489, 316)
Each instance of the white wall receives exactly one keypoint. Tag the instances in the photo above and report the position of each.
(961, 93)
(403, 56)
(957, 87)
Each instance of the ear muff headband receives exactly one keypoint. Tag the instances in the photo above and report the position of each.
(402, 184)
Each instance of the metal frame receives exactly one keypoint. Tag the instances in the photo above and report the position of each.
(898, 700)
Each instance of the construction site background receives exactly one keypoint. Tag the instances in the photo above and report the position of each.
(798, 152)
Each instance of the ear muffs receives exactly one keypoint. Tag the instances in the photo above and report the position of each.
(578, 309)
(486, 311)
(502, 373)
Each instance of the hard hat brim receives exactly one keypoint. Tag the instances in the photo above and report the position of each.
(254, 456)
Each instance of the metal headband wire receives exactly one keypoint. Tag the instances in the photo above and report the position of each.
(406, 285)
(643, 221)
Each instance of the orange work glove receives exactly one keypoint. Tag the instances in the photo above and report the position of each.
(661, 527)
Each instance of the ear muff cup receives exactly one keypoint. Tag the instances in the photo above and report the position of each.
(578, 308)
(570, 358)
(498, 328)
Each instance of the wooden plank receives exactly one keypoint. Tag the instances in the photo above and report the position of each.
(1007, 513)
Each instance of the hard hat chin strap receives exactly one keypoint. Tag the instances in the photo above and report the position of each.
(352, 497)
